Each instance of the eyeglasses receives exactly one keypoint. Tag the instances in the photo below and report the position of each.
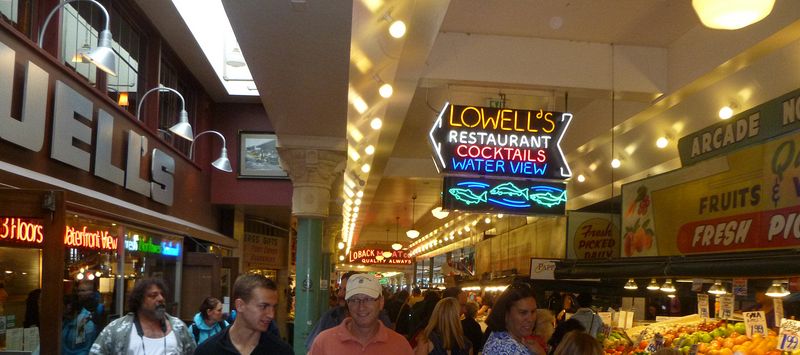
(361, 301)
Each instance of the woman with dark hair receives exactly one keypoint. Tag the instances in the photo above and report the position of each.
(511, 322)
(443, 334)
(208, 321)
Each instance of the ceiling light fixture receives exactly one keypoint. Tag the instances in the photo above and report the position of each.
(182, 128)
(777, 290)
(370, 149)
(731, 14)
(102, 56)
(376, 123)
(615, 163)
(439, 213)
(668, 287)
(662, 142)
(717, 288)
(581, 178)
(384, 89)
(396, 245)
(397, 28)
(222, 163)
(340, 245)
(631, 285)
(726, 112)
(653, 285)
(412, 233)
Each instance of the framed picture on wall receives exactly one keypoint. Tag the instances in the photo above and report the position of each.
(258, 156)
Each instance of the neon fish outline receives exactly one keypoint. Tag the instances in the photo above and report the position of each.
(509, 189)
(467, 196)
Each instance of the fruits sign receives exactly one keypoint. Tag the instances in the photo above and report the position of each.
(492, 141)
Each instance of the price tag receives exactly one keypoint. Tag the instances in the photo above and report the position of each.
(740, 287)
(777, 308)
(656, 343)
(726, 306)
(755, 322)
(702, 306)
(788, 339)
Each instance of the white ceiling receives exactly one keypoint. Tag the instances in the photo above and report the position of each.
(308, 57)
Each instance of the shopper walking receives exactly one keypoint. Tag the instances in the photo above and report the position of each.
(84, 317)
(208, 321)
(147, 329)
(256, 300)
(443, 335)
(472, 330)
(362, 332)
(335, 316)
(511, 322)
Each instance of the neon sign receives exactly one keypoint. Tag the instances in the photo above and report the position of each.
(26, 231)
(80, 238)
(150, 246)
(367, 256)
(500, 142)
(502, 195)
(20, 230)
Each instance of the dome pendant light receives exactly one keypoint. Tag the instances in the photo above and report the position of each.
(653, 285)
(731, 14)
(631, 285)
(387, 254)
(777, 290)
(717, 288)
(396, 245)
(412, 233)
(668, 287)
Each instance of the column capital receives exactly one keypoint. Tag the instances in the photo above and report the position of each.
(313, 172)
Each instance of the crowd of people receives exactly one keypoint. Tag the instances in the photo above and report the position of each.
(364, 318)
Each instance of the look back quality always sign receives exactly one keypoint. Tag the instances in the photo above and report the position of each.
(500, 142)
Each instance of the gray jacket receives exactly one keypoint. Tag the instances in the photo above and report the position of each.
(115, 337)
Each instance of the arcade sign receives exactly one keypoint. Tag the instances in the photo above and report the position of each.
(500, 142)
(367, 256)
(504, 196)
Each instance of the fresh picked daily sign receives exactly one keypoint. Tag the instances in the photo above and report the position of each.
(490, 141)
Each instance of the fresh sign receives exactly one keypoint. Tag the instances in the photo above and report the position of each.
(500, 142)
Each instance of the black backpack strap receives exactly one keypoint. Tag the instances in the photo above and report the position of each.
(196, 333)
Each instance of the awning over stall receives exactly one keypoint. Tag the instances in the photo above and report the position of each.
(780, 263)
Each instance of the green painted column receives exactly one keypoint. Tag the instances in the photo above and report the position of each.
(309, 274)
(313, 171)
(325, 274)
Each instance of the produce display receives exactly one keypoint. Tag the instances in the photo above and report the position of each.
(711, 338)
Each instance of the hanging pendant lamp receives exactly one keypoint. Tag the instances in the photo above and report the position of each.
(412, 233)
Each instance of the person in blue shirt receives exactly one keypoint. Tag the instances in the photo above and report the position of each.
(84, 318)
(208, 321)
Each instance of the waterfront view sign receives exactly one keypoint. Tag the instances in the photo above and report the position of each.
(504, 196)
(492, 141)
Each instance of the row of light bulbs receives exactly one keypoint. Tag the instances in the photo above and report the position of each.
(397, 29)
(434, 239)
(662, 142)
(776, 290)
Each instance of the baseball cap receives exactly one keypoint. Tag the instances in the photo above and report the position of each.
(363, 284)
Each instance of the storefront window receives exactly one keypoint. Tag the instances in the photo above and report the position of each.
(20, 278)
(90, 248)
(150, 255)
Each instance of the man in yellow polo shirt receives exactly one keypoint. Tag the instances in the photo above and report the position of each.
(362, 332)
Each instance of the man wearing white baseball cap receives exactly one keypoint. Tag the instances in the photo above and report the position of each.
(362, 333)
